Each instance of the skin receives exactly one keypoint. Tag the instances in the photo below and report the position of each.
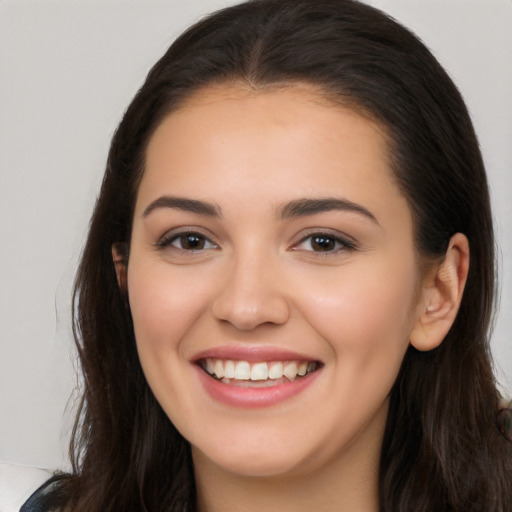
(259, 281)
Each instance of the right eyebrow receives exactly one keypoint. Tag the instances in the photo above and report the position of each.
(185, 204)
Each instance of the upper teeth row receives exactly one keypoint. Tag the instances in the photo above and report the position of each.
(243, 370)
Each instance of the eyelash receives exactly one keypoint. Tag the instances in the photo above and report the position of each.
(170, 238)
(335, 243)
(340, 243)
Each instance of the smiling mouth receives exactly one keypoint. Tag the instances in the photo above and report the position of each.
(259, 374)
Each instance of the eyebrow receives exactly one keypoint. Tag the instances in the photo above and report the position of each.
(296, 208)
(304, 207)
(185, 204)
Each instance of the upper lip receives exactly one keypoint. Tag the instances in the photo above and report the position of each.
(251, 354)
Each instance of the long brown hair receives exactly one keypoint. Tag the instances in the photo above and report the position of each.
(441, 450)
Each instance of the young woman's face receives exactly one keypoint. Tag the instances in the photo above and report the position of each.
(272, 279)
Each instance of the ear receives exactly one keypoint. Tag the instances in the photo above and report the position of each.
(442, 290)
(120, 259)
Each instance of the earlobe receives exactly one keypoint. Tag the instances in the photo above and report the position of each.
(120, 259)
(442, 292)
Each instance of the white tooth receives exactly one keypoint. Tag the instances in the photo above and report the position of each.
(209, 366)
(290, 371)
(229, 369)
(242, 370)
(303, 368)
(275, 371)
(311, 367)
(259, 371)
(218, 368)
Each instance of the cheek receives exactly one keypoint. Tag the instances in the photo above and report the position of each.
(163, 292)
(366, 315)
(165, 305)
(162, 304)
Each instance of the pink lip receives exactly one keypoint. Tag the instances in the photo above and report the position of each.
(251, 354)
(253, 397)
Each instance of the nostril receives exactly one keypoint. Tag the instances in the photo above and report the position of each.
(247, 313)
(251, 293)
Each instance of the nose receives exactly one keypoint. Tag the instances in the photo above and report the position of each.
(252, 295)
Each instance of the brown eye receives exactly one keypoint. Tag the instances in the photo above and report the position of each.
(190, 242)
(187, 241)
(323, 243)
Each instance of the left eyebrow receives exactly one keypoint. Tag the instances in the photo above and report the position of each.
(305, 206)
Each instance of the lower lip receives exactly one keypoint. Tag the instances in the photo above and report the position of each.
(254, 397)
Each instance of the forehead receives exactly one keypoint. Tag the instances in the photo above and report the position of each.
(236, 117)
(291, 98)
(225, 141)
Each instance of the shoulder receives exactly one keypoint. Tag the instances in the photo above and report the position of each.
(18, 483)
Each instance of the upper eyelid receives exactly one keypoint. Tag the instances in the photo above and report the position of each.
(174, 233)
(342, 237)
(344, 244)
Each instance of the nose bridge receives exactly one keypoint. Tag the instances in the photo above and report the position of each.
(251, 294)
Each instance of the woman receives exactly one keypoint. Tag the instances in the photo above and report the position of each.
(288, 280)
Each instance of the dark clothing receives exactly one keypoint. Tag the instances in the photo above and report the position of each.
(36, 502)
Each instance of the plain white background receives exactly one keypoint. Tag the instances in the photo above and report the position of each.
(68, 69)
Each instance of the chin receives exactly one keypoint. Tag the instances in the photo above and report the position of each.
(249, 464)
